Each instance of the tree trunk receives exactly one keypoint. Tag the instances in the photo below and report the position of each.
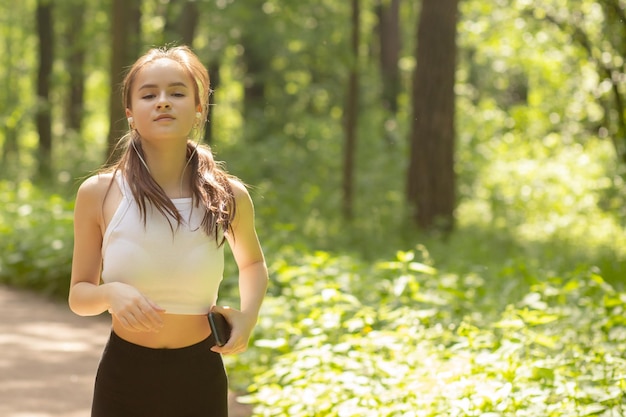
(256, 64)
(44, 119)
(125, 36)
(10, 148)
(389, 38)
(615, 13)
(188, 22)
(431, 177)
(76, 67)
(181, 21)
(351, 116)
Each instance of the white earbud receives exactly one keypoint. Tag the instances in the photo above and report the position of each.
(130, 121)
(198, 115)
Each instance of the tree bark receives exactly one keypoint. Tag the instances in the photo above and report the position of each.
(188, 22)
(125, 36)
(256, 64)
(44, 120)
(10, 148)
(181, 22)
(256, 57)
(431, 178)
(351, 116)
(615, 33)
(76, 67)
(389, 39)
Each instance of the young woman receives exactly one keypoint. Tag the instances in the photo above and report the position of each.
(149, 235)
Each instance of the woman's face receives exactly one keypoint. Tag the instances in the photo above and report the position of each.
(162, 102)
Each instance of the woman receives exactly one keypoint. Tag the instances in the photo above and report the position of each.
(149, 235)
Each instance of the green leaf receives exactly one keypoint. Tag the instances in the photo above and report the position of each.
(420, 267)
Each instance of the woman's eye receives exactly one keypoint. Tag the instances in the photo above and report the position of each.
(148, 96)
(178, 95)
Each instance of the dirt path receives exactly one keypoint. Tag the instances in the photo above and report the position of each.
(48, 357)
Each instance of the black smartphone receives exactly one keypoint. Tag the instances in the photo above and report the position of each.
(219, 327)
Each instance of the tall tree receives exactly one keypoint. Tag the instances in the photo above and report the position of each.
(256, 57)
(76, 49)
(181, 22)
(615, 12)
(10, 97)
(256, 62)
(10, 148)
(125, 36)
(606, 48)
(45, 35)
(388, 12)
(351, 114)
(431, 177)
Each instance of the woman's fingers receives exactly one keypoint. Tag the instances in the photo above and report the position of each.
(141, 318)
(134, 311)
(153, 314)
(241, 328)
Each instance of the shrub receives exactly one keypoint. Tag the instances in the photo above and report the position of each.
(402, 339)
(36, 238)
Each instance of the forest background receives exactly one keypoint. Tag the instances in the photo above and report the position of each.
(439, 187)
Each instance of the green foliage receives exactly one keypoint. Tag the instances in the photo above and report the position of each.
(35, 238)
(400, 338)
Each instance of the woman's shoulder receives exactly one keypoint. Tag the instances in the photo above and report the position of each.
(237, 185)
(240, 190)
(96, 186)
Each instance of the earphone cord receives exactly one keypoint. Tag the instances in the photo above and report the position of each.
(182, 174)
(143, 161)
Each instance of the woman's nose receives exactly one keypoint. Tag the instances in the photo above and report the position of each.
(163, 102)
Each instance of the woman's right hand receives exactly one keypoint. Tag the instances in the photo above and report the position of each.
(132, 309)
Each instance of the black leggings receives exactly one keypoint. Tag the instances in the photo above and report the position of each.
(136, 381)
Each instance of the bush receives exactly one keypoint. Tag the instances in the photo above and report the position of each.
(36, 238)
(402, 339)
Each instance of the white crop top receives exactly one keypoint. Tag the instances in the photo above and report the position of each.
(180, 271)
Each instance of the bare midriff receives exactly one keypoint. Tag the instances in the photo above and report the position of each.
(179, 330)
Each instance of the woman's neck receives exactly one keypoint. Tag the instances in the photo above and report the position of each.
(170, 169)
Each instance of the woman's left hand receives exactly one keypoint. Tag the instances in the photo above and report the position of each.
(241, 329)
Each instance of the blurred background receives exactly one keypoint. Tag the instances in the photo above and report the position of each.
(430, 172)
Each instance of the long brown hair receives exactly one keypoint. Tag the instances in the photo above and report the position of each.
(209, 181)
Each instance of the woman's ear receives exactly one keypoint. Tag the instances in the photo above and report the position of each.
(129, 118)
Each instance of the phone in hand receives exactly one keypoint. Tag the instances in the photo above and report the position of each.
(219, 327)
